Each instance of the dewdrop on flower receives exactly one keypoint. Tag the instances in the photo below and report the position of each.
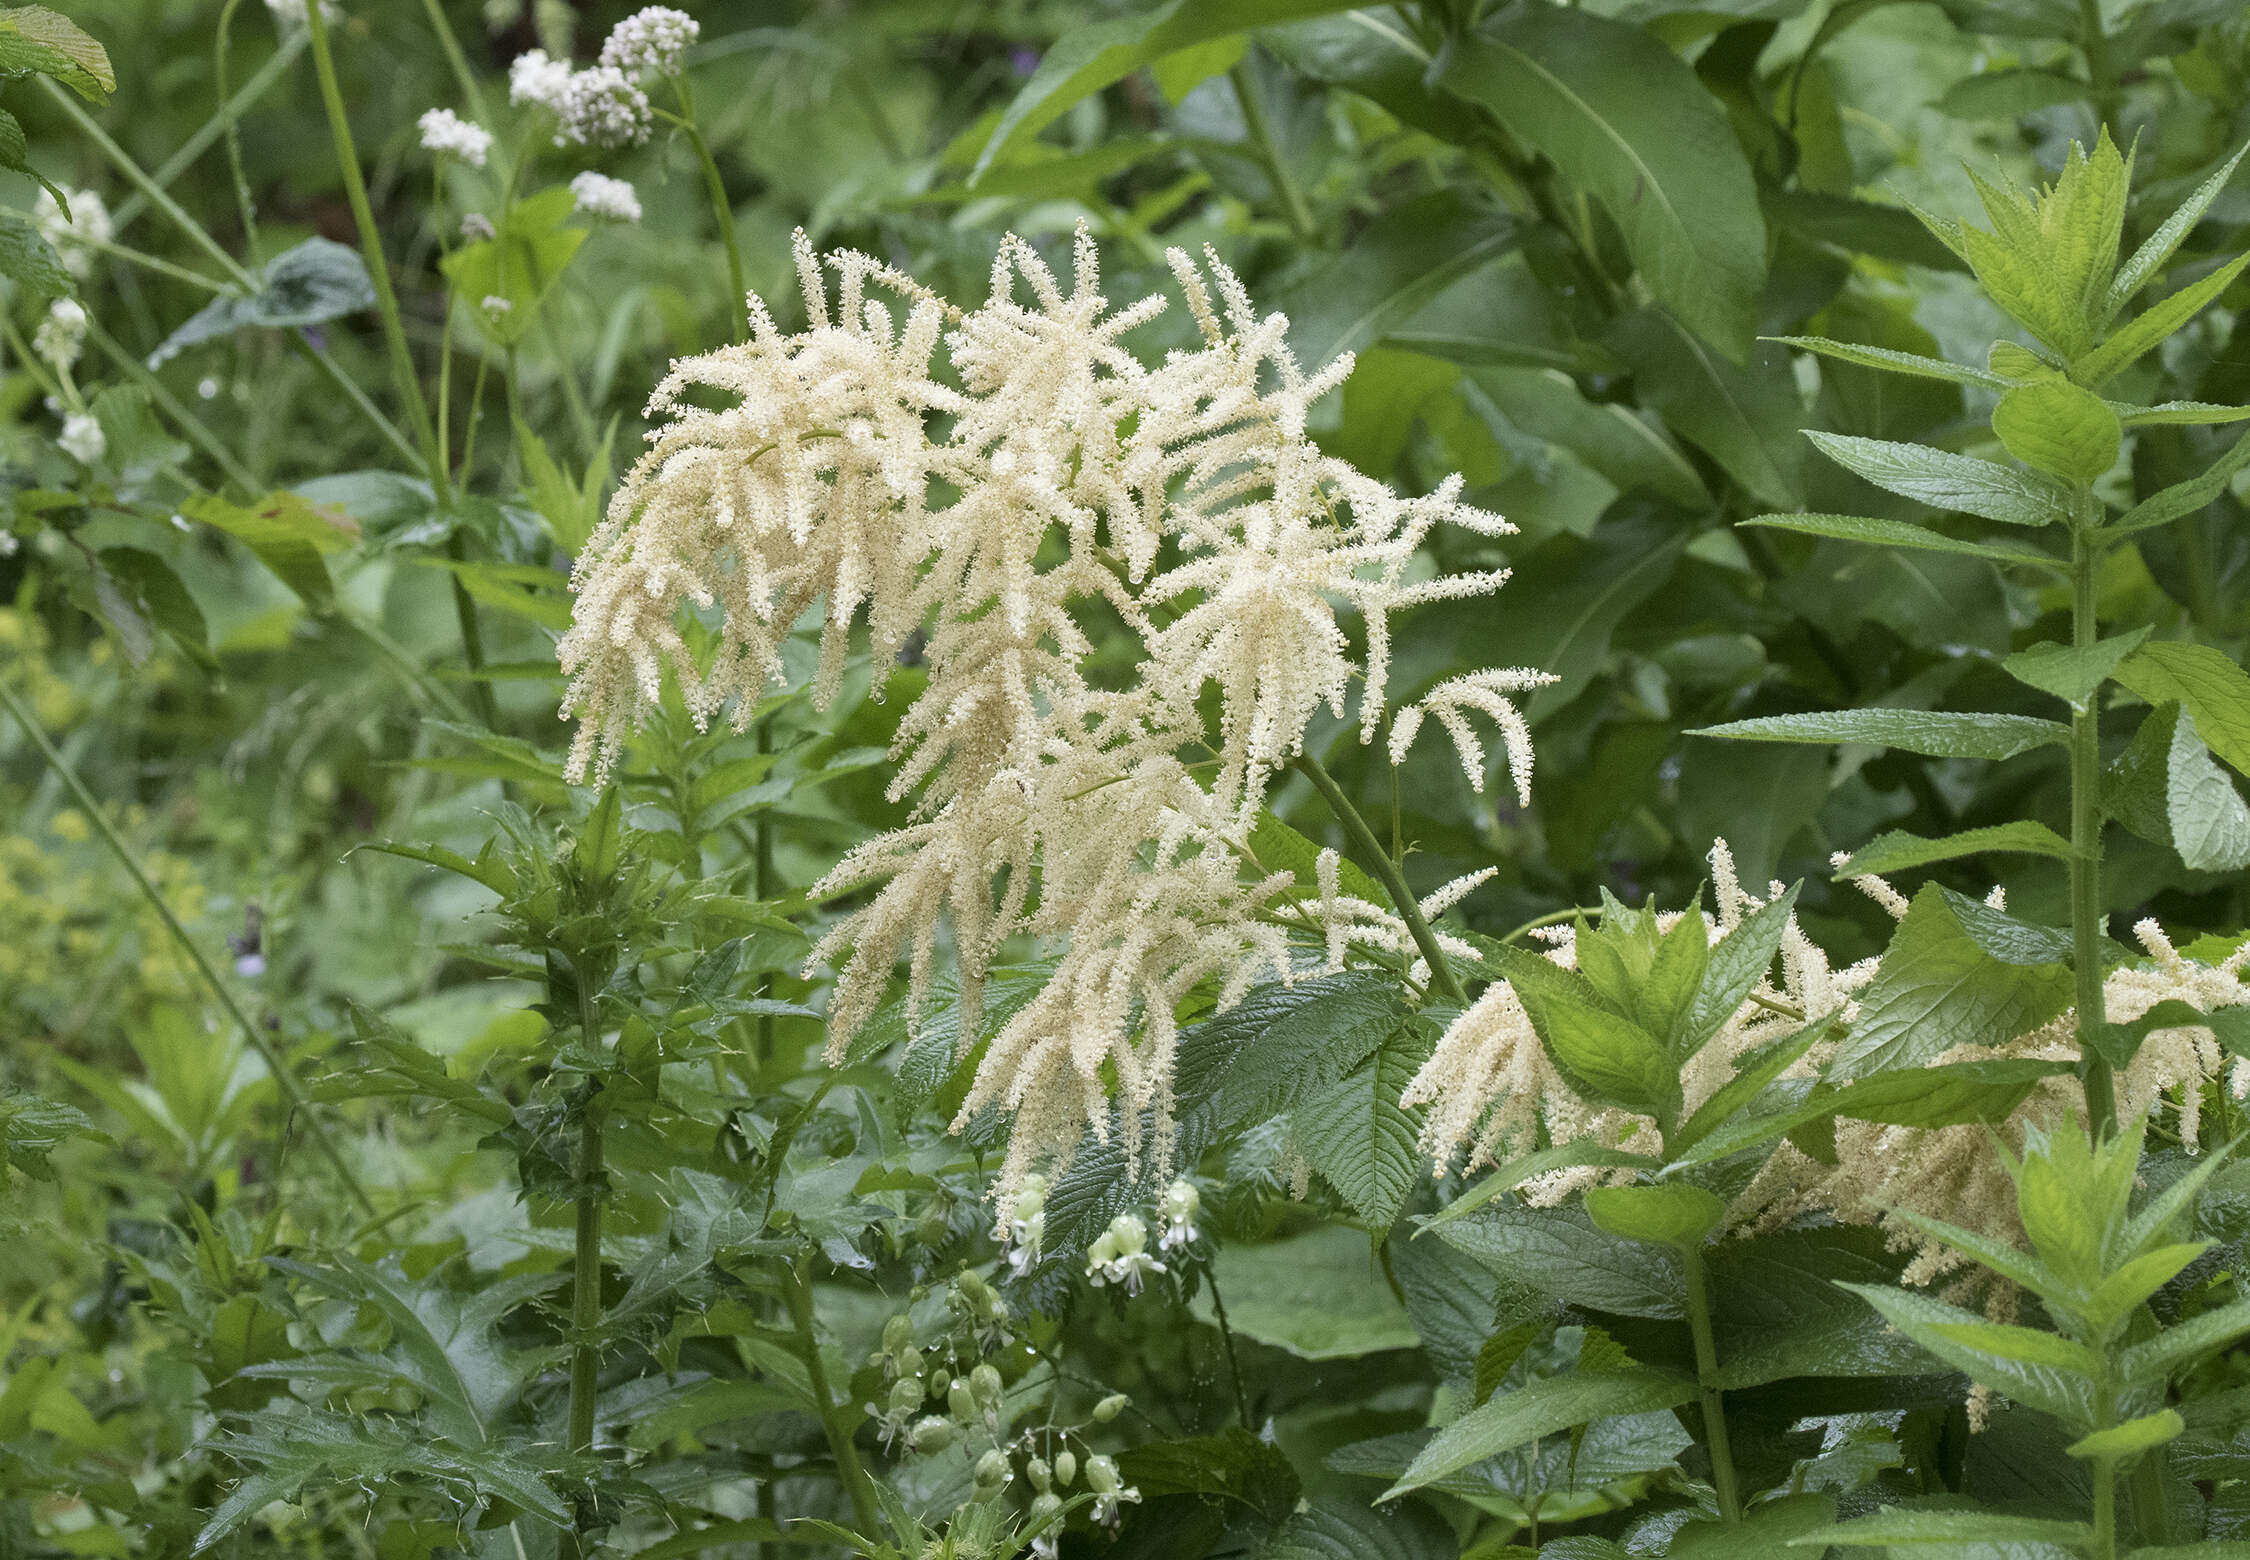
(82, 438)
(604, 198)
(449, 135)
(61, 336)
(1119, 1255)
(601, 107)
(538, 81)
(651, 42)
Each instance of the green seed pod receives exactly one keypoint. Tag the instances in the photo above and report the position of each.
(985, 1382)
(1066, 1468)
(1042, 1476)
(940, 1379)
(1110, 1407)
(933, 1433)
(898, 1334)
(992, 1469)
(1101, 1475)
(906, 1396)
(1045, 1508)
(961, 1400)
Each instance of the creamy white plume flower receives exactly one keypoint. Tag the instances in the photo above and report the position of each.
(449, 135)
(61, 336)
(72, 238)
(1486, 693)
(604, 198)
(537, 80)
(82, 438)
(601, 106)
(1183, 498)
(651, 42)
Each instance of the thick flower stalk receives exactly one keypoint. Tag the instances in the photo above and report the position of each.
(993, 481)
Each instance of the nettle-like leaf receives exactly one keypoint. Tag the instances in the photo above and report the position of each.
(32, 1128)
(317, 281)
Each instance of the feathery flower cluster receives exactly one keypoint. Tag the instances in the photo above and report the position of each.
(606, 199)
(651, 42)
(1184, 498)
(449, 135)
(73, 237)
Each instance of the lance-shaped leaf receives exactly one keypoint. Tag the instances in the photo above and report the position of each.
(2040, 1370)
(1556, 1156)
(1733, 969)
(1899, 851)
(2146, 330)
(1933, 733)
(2072, 673)
(1872, 532)
(2184, 498)
(1894, 361)
(2177, 412)
(1954, 1529)
(1944, 480)
(2147, 260)
(1541, 1408)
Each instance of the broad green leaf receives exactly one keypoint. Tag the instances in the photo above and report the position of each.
(2138, 1279)
(2147, 260)
(1934, 1096)
(1232, 1465)
(26, 259)
(1733, 969)
(2183, 498)
(1944, 480)
(1898, 851)
(1319, 1296)
(1607, 1056)
(2007, 938)
(1610, 438)
(318, 280)
(1280, 1044)
(159, 592)
(1628, 123)
(1936, 988)
(32, 1128)
(1745, 418)
(2131, 1438)
(1768, 1531)
(2210, 827)
(2053, 426)
(2160, 320)
(289, 534)
(1899, 1528)
(1343, 1528)
(1361, 1140)
(1556, 1156)
(1900, 533)
(1352, 301)
(1086, 59)
(1778, 1313)
(2183, 1345)
(518, 266)
(1540, 1408)
(2008, 94)
(34, 38)
(2207, 683)
(2072, 673)
(1670, 1213)
(1560, 1253)
(2050, 1382)
(2178, 412)
(1896, 362)
(1935, 733)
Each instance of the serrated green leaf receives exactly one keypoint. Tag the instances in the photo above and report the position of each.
(289, 533)
(2159, 321)
(1898, 851)
(34, 38)
(1752, 1073)
(26, 259)
(1900, 533)
(2183, 1345)
(2053, 426)
(1895, 362)
(2131, 1438)
(2183, 498)
(2208, 685)
(1606, 1055)
(1900, 1528)
(2198, 413)
(1944, 480)
(1540, 1408)
(1670, 1213)
(1361, 1140)
(2147, 260)
(2072, 672)
(1934, 733)
(2051, 1377)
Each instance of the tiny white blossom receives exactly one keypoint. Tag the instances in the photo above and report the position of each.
(1109, 1490)
(495, 305)
(476, 227)
(72, 237)
(605, 198)
(82, 438)
(538, 80)
(207, 388)
(8, 544)
(651, 41)
(289, 15)
(1179, 1206)
(62, 334)
(1120, 1255)
(449, 135)
(1023, 1223)
(602, 107)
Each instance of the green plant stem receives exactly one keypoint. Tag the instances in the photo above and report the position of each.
(352, 392)
(235, 175)
(1714, 1408)
(586, 1256)
(472, 637)
(738, 299)
(450, 45)
(2105, 1510)
(2101, 70)
(1260, 130)
(187, 422)
(2086, 847)
(1234, 1364)
(220, 123)
(797, 1282)
(153, 192)
(178, 273)
(764, 882)
(1363, 842)
(283, 1078)
(371, 248)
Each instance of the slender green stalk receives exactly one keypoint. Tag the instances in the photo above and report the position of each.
(738, 287)
(283, 1078)
(371, 246)
(1364, 844)
(2086, 844)
(153, 192)
(223, 121)
(849, 1469)
(2101, 70)
(1714, 1407)
(1261, 140)
(1234, 1364)
(186, 421)
(178, 273)
(472, 636)
(236, 176)
(352, 392)
(763, 857)
(2105, 1510)
(457, 61)
(586, 1259)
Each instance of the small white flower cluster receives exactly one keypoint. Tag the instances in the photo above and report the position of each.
(604, 104)
(82, 438)
(72, 238)
(289, 15)
(651, 42)
(1185, 498)
(1120, 1255)
(606, 199)
(61, 336)
(449, 135)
